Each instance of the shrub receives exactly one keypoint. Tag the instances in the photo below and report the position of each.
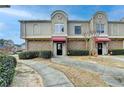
(117, 51)
(45, 54)
(28, 55)
(1, 53)
(35, 54)
(7, 70)
(78, 52)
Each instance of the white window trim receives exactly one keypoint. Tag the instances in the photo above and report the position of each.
(81, 29)
(100, 28)
(58, 28)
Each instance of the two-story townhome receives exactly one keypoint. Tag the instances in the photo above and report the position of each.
(61, 34)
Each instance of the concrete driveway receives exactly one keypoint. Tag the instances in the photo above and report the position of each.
(50, 76)
(112, 76)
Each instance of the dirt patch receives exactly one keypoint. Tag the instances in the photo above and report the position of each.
(26, 77)
(80, 78)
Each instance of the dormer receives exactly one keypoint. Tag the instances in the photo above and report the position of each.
(59, 23)
(100, 23)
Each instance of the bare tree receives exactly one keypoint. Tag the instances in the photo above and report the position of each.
(90, 38)
(86, 36)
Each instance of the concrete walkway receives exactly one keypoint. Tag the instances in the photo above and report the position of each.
(51, 77)
(112, 76)
(25, 76)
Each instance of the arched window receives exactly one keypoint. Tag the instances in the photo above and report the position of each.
(36, 29)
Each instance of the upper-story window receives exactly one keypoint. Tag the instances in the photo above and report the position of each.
(100, 28)
(77, 29)
(59, 28)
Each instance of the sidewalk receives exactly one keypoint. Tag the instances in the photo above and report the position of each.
(25, 76)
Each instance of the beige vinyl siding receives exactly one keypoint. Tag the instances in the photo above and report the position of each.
(116, 29)
(85, 27)
(38, 28)
(22, 29)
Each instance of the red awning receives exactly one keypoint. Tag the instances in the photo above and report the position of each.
(58, 39)
(102, 39)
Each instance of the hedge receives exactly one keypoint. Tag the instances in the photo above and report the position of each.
(78, 52)
(7, 70)
(35, 54)
(28, 55)
(116, 51)
(45, 54)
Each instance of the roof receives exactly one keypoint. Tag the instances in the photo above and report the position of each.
(35, 20)
(68, 21)
(78, 21)
(50, 21)
(115, 21)
(64, 13)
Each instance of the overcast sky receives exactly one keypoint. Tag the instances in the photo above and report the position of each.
(9, 25)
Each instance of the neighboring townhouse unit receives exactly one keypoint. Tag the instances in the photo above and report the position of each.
(60, 34)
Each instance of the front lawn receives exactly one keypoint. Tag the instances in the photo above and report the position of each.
(99, 60)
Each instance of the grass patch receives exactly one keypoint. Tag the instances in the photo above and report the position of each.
(99, 60)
